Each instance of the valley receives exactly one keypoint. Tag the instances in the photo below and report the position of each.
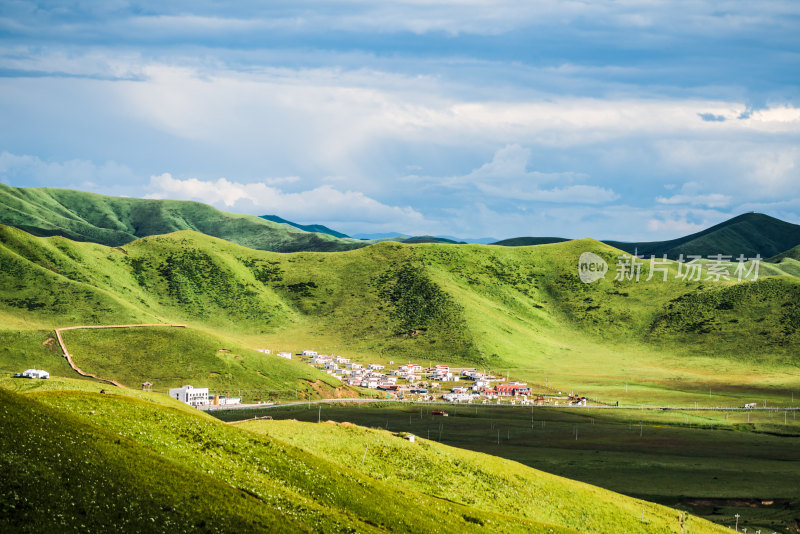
(517, 313)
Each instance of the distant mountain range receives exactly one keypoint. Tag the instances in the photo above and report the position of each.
(748, 234)
(317, 228)
(115, 221)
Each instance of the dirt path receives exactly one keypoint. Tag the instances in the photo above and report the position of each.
(77, 369)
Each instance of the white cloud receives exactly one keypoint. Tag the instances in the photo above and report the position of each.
(73, 173)
(573, 194)
(743, 170)
(712, 200)
(507, 177)
(673, 226)
(321, 204)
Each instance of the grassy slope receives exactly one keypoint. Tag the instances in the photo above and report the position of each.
(518, 309)
(256, 479)
(171, 357)
(94, 479)
(677, 458)
(747, 234)
(485, 482)
(793, 253)
(115, 221)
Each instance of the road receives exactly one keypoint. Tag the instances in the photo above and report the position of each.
(368, 401)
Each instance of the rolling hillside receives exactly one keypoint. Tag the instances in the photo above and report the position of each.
(522, 310)
(115, 221)
(748, 234)
(85, 460)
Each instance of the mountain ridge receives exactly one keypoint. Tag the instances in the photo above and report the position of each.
(116, 221)
(748, 234)
(314, 228)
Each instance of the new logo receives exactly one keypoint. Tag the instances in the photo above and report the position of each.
(591, 267)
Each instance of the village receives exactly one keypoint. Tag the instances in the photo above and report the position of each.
(435, 382)
(411, 382)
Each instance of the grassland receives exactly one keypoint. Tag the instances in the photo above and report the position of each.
(712, 463)
(89, 459)
(170, 357)
(516, 310)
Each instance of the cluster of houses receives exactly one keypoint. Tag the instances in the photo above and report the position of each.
(351, 373)
(413, 378)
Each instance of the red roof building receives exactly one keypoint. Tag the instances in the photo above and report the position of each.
(509, 390)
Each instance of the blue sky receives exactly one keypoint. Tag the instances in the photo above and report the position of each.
(632, 120)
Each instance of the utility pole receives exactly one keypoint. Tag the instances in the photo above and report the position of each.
(319, 414)
(737, 522)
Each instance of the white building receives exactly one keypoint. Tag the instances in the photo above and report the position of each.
(265, 351)
(190, 395)
(309, 353)
(375, 367)
(287, 355)
(33, 373)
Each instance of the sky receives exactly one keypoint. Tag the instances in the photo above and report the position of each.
(628, 120)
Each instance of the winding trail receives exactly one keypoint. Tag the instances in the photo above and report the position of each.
(77, 369)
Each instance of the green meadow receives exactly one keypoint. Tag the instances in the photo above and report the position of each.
(520, 311)
(711, 463)
(140, 461)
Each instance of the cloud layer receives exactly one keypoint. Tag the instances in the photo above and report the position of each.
(626, 120)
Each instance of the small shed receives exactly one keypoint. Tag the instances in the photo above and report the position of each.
(147, 386)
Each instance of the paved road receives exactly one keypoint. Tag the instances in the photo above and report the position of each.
(367, 401)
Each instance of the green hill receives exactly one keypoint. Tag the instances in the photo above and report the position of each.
(115, 221)
(316, 228)
(748, 234)
(519, 310)
(87, 461)
(793, 253)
